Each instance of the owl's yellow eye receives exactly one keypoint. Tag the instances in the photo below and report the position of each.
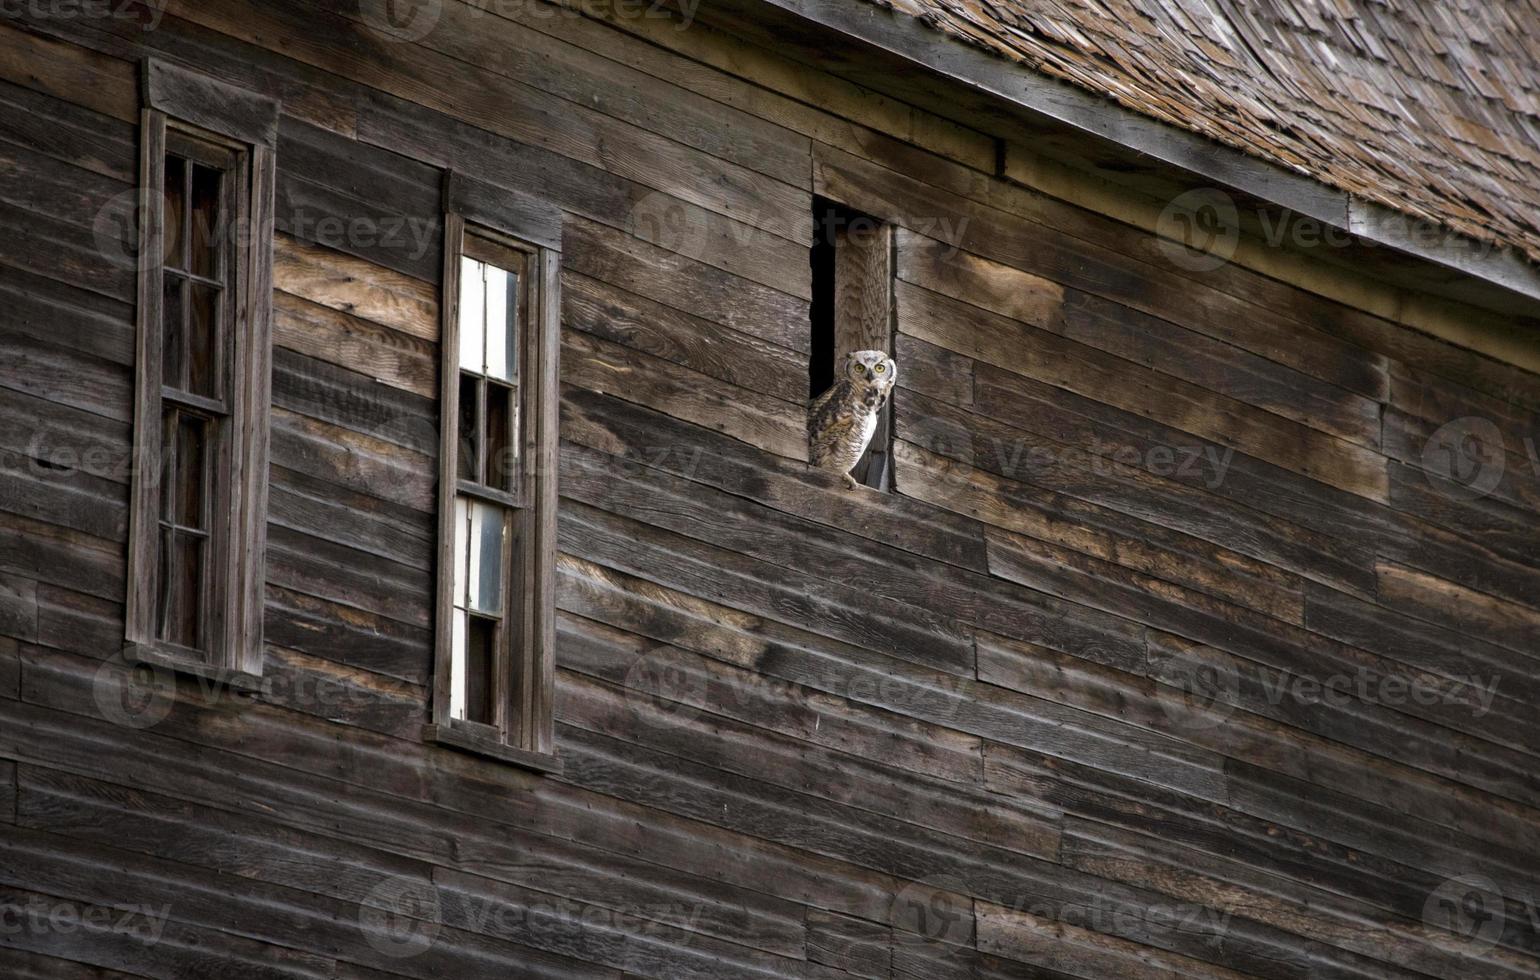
(881, 368)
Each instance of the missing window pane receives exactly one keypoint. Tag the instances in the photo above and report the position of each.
(502, 443)
(468, 453)
(205, 232)
(473, 683)
(480, 655)
(181, 589)
(188, 628)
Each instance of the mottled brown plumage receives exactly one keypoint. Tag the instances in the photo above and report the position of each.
(841, 420)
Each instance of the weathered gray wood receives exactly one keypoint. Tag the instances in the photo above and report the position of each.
(355, 286)
(48, 310)
(641, 436)
(1046, 357)
(364, 461)
(761, 421)
(334, 512)
(388, 356)
(623, 317)
(68, 132)
(209, 103)
(536, 670)
(503, 209)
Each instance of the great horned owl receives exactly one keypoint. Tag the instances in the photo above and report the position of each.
(841, 420)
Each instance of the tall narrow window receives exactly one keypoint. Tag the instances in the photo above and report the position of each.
(494, 305)
(496, 633)
(852, 309)
(205, 240)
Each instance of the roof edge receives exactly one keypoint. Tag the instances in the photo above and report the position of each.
(1045, 98)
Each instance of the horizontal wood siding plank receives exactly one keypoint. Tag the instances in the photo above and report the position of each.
(1045, 357)
(1055, 255)
(640, 436)
(762, 421)
(355, 286)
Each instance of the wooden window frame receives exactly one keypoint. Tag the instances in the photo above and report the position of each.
(180, 106)
(524, 665)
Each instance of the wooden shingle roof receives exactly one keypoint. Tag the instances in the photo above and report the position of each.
(1429, 107)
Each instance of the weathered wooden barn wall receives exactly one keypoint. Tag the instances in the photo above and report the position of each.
(806, 733)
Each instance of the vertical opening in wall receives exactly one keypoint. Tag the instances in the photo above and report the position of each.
(826, 216)
(852, 310)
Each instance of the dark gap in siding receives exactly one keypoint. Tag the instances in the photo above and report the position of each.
(828, 218)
